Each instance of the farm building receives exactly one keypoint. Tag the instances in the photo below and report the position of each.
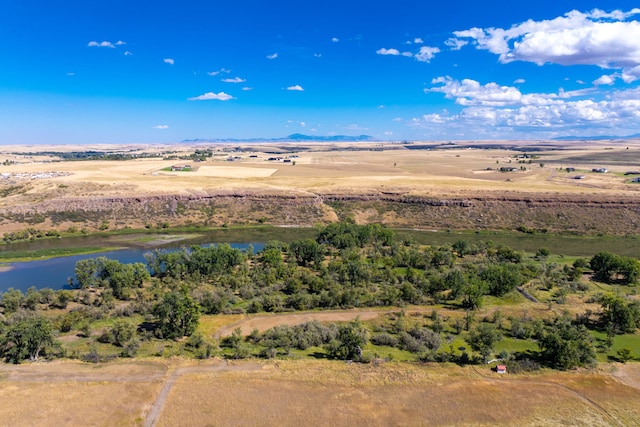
(501, 369)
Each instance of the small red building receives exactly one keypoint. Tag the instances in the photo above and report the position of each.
(501, 369)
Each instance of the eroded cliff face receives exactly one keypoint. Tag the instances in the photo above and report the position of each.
(560, 213)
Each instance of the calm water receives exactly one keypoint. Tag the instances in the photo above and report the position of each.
(55, 272)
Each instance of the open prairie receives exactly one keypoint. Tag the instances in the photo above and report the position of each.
(577, 187)
(177, 392)
(351, 168)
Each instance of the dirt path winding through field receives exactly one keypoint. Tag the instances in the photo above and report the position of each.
(156, 410)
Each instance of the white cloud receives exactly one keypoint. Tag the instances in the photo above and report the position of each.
(427, 53)
(471, 93)
(170, 61)
(492, 111)
(384, 51)
(295, 87)
(221, 70)
(127, 53)
(317, 55)
(234, 80)
(455, 43)
(335, 39)
(161, 127)
(272, 56)
(519, 81)
(605, 80)
(355, 128)
(120, 43)
(247, 88)
(221, 96)
(101, 44)
(418, 40)
(604, 39)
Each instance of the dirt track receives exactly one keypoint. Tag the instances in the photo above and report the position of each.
(156, 410)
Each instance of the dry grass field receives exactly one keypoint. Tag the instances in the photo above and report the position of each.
(340, 168)
(177, 392)
(244, 185)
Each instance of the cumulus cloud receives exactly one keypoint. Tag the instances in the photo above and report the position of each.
(169, 61)
(605, 80)
(161, 127)
(519, 81)
(272, 56)
(384, 51)
(295, 87)
(604, 39)
(455, 44)
(234, 80)
(247, 88)
(468, 92)
(120, 43)
(101, 44)
(127, 53)
(335, 39)
(427, 53)
(491, 110)
(221, 96)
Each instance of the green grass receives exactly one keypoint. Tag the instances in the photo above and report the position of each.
(631, 341)
(513, 345)
(41, 254)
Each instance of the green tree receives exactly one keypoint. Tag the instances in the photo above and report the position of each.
(178, 315)
(26, 338)
(501, 278)
(122, 332)
(307, 251)
(619, 315)
(625, 354)
(12, 300)
(565, 345)
(609, 268)
(349, 342)
(483, 338)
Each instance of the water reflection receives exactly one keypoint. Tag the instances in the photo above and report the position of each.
(55, 272)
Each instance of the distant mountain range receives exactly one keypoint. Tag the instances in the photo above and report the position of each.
(595, 138)
(296, 137)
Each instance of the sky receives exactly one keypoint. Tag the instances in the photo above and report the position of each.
(126, 72)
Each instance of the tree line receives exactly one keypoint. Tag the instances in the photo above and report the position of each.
(345, 266)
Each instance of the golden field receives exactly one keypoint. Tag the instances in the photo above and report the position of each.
(341, 168)
(177, 392)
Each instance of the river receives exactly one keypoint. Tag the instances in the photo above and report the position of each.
(54, 273)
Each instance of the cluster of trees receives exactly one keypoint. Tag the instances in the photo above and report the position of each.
(28, 234)
(344, 266)
(561, 342)
(612, 268)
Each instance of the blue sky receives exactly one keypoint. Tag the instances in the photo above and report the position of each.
(165, 71)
